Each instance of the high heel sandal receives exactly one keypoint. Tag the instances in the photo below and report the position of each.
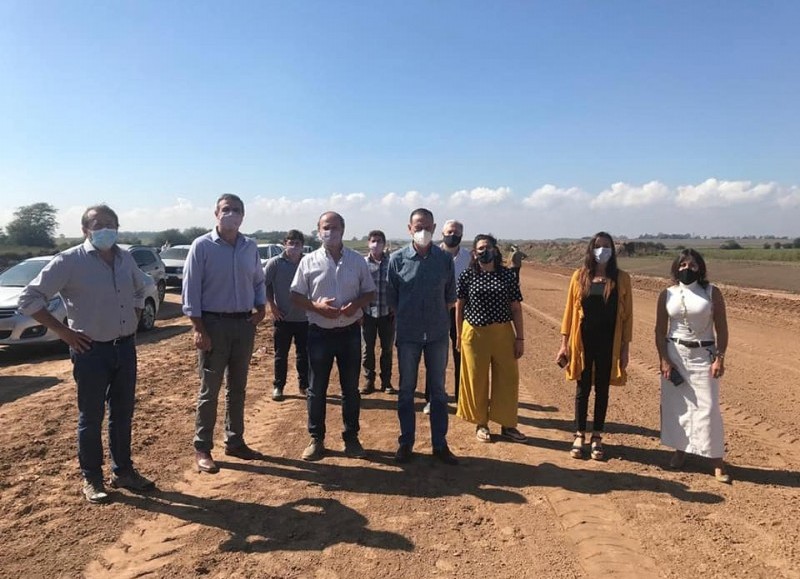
(597, 448)
(577, 446)
(722, 476)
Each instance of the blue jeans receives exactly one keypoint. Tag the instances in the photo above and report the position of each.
(229, 357)
(106, 373)
(343, 345)
(408, 357)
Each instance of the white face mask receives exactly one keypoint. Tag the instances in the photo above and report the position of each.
(423, 237)
(331, 237)
(602, 254)
(230, 221)
(294, 251)
(103, 239)
(376, 248)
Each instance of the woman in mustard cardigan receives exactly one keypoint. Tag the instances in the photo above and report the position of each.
(595, 335)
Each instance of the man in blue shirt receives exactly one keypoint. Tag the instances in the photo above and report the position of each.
(421, 291)
(104, 293)
(289, 322)
(222, 284)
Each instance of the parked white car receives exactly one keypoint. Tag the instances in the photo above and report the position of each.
(17, 329)
(267, 251)
(174, 259)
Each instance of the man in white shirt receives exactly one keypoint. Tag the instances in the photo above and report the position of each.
(333, 284)
(452, 233)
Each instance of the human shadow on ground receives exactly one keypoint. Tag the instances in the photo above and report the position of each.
(15, 387)
(305, 524)
(537, 407)
(568, 425)
(485, 478)
(703, 466)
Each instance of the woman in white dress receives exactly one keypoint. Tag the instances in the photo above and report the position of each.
(691, 338)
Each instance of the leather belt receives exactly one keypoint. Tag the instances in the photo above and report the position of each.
(334, 330)
(691, 343)
(232, 315)
(116, 341)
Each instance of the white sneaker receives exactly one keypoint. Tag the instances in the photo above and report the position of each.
(427, 409)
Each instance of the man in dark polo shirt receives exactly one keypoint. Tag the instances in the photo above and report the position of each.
(289, 322)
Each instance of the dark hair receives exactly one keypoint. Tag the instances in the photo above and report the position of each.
(295, 235)
(422, 212)
(376, 233)
(590, 264)
(698, 259)
(498, 257)
(100, 208)
(229, 197)
(341, 219)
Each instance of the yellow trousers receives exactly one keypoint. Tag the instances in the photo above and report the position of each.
(485, 350)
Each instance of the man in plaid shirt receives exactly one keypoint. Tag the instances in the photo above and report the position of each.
(378, 320)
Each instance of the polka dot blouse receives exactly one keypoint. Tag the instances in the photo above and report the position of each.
(488, 295)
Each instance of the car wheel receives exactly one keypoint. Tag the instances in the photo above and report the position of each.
(148, 320)
(162, 291)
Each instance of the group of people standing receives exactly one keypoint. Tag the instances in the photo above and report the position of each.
(691, 337)
(413, 300)
(427, 300)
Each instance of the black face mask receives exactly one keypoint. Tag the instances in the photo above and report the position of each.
(486, 256)
(688, 276)
(451, 240)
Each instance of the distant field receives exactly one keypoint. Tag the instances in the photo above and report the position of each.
(782, 276)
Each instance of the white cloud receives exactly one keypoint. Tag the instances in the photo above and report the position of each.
(550, 195)
(624, 195)
(753, 208)
(790, 197)
(715, 193)
(480, 196)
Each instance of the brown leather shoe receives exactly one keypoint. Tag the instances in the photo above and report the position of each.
(205, 463)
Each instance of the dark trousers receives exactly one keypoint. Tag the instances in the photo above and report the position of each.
(324, 346)
(229, 357)
(597, 350)
(105, 374)
(516, 272)
(283, 334)
(456, 358)
(383, 329)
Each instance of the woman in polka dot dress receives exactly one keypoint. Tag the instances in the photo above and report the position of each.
(490, 339)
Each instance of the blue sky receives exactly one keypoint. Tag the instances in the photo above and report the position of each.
(527, 119)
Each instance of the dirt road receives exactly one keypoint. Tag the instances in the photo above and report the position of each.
(509, 510)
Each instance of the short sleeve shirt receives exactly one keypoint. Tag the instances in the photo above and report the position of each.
(488, 295)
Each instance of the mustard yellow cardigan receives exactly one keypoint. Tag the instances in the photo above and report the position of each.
(571, 327)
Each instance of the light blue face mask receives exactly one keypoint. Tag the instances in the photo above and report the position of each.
(103, 239)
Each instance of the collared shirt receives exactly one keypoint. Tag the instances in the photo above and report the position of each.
(461, 261)
(100, 299)
(224, 278)
(378, 307)
(278, 275)
(318, 276)
(421, 291)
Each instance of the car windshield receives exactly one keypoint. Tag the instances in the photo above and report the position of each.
(266, 251)
(21, 274)
(175, 253)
